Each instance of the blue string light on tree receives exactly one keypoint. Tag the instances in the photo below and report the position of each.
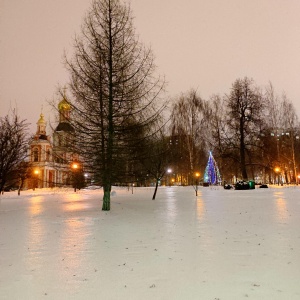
(212, 173)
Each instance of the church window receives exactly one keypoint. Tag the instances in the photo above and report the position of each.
(48, 155)
(35, 154)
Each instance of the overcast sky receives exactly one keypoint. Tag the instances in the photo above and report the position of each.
(201, 44)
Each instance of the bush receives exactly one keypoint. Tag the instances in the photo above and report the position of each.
(242, 185)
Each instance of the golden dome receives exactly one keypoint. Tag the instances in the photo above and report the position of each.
(64, 105)
(41, 119)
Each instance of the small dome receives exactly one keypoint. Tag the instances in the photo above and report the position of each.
(41, 119)
(64, 105)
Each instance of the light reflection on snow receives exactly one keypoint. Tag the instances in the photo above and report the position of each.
(71, 234)
(72, 245)
(171, 204)
(74, 203)
(74, 239)
(36, 206)
(200, 208)
(36, 233)
(282, 212)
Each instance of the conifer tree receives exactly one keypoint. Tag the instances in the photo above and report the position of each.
(114, 91)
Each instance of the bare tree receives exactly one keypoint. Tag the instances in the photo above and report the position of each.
(269, 133)
(219, 141)
(245, 108)
(188, 123)
(281, 135)
(156, 156)
(289, 126)
(13, 147)
(115, 91)
(24, 171)
(273, 105)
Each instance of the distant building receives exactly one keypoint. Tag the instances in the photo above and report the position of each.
(63, 140)
(40, 155)
(51, 162)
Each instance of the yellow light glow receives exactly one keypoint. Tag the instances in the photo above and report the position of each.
(75, 166)
(277, 169)
(197, 174)
(36, 172)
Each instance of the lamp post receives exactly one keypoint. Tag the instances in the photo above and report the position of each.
(86, 178)
(277, 170)
(36, 176)
(197, 175)
(169, 171)
(75, 168)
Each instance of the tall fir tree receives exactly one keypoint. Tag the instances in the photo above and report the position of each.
(115, 91)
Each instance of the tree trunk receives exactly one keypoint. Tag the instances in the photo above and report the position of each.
(20, 186)
(110, 141)
(242, 151)
(155, 191)
(106, 197)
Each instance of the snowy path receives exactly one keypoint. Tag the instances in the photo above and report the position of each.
(224, 244)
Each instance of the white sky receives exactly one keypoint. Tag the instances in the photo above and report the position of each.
(198, 44)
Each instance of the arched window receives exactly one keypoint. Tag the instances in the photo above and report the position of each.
(35, 154)
(48, 153)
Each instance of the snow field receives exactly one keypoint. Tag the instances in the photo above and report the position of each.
(223, 244)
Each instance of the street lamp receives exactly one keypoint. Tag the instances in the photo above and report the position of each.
(75, 168)
(86, 178)
(277, 170)
(197, 175)
(169, 171)
(36, 176)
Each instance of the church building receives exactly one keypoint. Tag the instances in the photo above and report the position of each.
(40, 154)
(52, 162)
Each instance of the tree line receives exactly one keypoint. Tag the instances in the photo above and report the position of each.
(121, 135)
(251, 131)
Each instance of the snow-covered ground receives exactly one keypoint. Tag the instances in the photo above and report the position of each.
(223, 244)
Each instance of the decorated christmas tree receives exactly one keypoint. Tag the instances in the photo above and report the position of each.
(212, 173)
